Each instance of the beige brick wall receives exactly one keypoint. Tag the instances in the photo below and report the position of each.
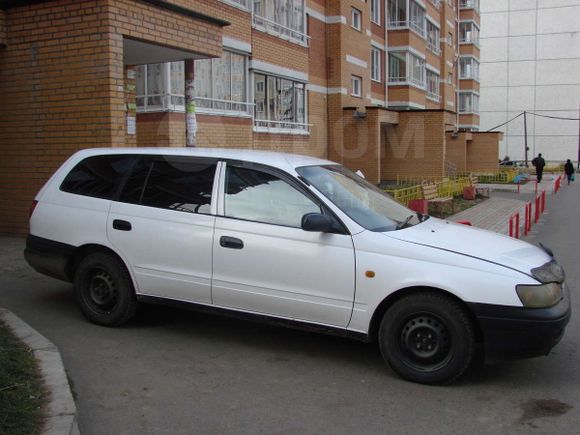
(483, 151)
(414, 147)
(456, 150)
(62, 85)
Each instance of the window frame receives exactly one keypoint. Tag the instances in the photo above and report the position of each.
(151, 158)
(376, 65)
(474, 66)
(356, 79)
(356, 13)
(473, 104)
(340, 227)
(264, 124)
(376, 12)
(436, 95)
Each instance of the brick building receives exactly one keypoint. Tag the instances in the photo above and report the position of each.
(373, 84)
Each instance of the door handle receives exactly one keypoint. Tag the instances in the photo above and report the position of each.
(121, 225)
(231, 242)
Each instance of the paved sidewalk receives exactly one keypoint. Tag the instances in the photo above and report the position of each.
(504, 202)
(492, 214)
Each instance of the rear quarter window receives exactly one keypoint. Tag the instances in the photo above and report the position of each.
(97, 176)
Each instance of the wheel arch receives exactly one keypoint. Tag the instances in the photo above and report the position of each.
(83, 251)
(395, 296)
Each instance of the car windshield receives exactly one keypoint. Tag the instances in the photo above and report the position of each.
(364, 203)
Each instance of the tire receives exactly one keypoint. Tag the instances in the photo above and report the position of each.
(427, 338)
(104, 290)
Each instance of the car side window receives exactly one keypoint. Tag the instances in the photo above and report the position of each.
(180, 184)
(97, 176)
(260, 196)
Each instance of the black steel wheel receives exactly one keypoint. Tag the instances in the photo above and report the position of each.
(427, 338)
(104, 290)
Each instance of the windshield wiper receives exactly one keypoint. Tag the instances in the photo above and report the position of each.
(405, 222)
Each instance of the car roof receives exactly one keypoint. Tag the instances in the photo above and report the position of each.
(271, 158)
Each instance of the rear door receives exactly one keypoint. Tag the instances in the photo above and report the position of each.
(264, 262)
(162, 224)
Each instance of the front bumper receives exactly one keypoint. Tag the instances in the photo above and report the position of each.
(518, 332)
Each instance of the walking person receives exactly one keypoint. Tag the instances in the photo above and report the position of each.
(539, 163)
(569, 170)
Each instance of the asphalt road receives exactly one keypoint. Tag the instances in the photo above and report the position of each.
(177, 372)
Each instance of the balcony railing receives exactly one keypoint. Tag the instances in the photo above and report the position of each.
(176, 103)
(434, 47)
(418, 28)
(433, 96)
(160, 103)
(280, 30)
(265, 125)
(468, 4)
(223, 107)
(397, 24)
(403, 80)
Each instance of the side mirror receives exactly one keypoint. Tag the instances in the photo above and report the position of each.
(317, 222)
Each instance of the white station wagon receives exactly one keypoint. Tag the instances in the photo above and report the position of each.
(293, 240)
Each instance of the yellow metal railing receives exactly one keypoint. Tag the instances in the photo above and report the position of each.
(406, 194)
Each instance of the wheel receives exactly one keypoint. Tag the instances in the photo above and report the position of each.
(104, 291)
(427, 338)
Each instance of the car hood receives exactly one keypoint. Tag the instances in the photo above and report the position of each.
(474, 242)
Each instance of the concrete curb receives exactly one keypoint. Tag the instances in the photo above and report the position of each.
(61, 411)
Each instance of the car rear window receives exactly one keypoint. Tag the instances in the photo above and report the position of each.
(98, 176)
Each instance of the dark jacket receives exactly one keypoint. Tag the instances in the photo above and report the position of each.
(569, 168)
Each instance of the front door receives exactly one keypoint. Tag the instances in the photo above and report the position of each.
(264, 262)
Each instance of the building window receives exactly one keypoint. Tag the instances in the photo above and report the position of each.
(375, 64)
(376, 11)
(450, 39)
(356, 86)
(433, 38)
(397, 13)
(160, 87)
(245, 4)
(469, 4)
(280, 104)
(417, 21)
(406, 68)
(450, 78)
(468, 33)
(283, 18)
(220, 84)
(356, 19)
(407, 13)
(468, 68)
(432, 85)
(468, 102)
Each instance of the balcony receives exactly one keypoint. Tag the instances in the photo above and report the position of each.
(279, 30)
(402, 25)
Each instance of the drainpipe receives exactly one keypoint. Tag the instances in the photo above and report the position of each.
(190, 121)
(386, 64)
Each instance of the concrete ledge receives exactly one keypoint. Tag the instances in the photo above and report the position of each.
(61, 410)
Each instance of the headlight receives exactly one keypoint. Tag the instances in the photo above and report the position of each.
(540, 296)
